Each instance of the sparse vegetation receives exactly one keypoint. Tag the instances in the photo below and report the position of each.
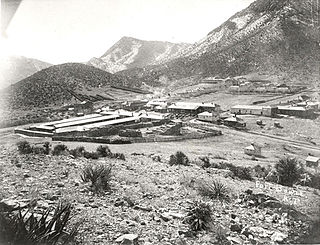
(289, 171)
(205, 162)
(24, 147)
(199, 216)
(59, 149)
(214, 190)
(179, 158)
(99, 176)
(103, 151)
(77, 152)
(238, 171)
(27, 228)
(91, 155)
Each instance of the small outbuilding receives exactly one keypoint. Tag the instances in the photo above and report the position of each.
(312, 161)
(253, 150)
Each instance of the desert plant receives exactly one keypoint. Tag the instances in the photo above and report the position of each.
(205, 162)
(59, 149)
(24, 147)
(38, 150)
(99, 176)
(179, 158)
(91, 155)
(28, 228)
(238, 171)
(289, 171)
(46, 147)
(118, 156)
(199, 216)
(260, 172)
(103, 151)
(77, 152)
(214, 190)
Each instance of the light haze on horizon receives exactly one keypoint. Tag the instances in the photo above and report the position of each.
(59, 31)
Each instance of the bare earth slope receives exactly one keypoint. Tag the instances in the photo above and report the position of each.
(274, 36)
(130, 53)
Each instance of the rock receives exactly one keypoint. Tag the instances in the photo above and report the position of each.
(271, 204)
(8, 205)
(165, 216)
(278, 236)
(60, 184)
(261, 232)
(236, 227)
(127, 239)
(235, 240)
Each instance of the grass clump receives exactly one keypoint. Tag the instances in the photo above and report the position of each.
(179, 158)
(289, 171)
(59, 149)
(24, 147)
(214, 190)
(77, 152)
(28, 228)
(103, 151)
(238, 171)
(199, 216)
(99, 176)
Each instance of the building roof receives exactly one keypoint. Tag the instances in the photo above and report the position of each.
(253, 147)
(292, 108)
(312, 159)
(250, 107)
(190, 106)
(205, 113)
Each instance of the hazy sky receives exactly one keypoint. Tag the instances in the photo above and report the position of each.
(60, 31)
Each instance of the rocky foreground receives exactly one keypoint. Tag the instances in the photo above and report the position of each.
(149, 201)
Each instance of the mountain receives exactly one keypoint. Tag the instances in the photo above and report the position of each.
(270, 36)
(130, 53)
(16, 68)
(57, 85)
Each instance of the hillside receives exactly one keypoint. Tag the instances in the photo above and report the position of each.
(130, 53)
(274, 36)
(16, 68)
(52, 86)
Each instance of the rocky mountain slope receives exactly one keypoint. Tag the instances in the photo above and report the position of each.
(130, 52)
(16, 68)
(273, 36)
(54, 85)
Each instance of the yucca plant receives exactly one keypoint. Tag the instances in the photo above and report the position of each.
(214, 190)
(199, 216)
(179, 158)
(18, 228)
(99, 176)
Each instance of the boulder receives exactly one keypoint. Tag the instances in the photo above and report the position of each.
(278, 236)
(127, 239)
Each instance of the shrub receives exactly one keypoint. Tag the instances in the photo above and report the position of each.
(30, 229)
(77, 152)
(103, 151)
(59, 149)
(260, 172)
(205, 162)
(38, 150)
(214, 190)
(199, 216)
(289, 171)
(238, 171)
(46, 147)
(99, 176)
(179, 158)
(91, 155)
(118, 156)
(24, 147)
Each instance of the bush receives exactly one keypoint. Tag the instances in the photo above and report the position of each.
(77, 152)
(118, 156)
(24, 147)
(260, 172)
(99, 176)
(103, 151)
(91, 155)
(199, 216)
(59, 149)
(38, 150)
(179, 158)
(205, 162)
(30, 229)
(214, 190)
(289, 171)
(46, 147)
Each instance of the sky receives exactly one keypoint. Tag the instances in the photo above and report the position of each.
(59, 31)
